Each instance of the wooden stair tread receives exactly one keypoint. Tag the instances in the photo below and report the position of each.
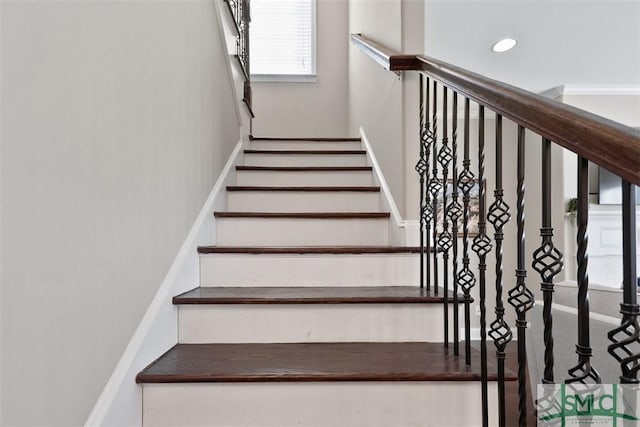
(305, 168)
(330, 152)
(365, 189)
(311, 295)
(337, 250)
(304, 215)
(254, 138)
(412, 361)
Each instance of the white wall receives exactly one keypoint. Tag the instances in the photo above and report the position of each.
(623, 108)
(116, 120)
(317, 109)
(621, 105)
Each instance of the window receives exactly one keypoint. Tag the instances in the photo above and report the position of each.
(283, 40)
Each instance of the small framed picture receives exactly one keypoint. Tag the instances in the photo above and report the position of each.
(474, 209)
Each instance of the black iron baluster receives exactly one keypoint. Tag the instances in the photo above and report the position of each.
(583, 370)
(435, 185)
(482, 246)
(455, 211)
(547, 261)
(426, 214)
(520, 297)
(626, 337)
(246, 19)
(238, 18)
(421, 168)
(465, 276)
(499, 330)
(445, 240)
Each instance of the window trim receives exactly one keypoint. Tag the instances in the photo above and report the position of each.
(311, 77)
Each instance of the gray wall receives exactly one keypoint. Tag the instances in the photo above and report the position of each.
(380, 102)
(317, 109)
(117, 118)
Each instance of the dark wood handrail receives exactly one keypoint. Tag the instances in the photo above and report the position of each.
(389, 59)
(604, 142)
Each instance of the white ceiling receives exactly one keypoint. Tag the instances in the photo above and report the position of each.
(578, 42)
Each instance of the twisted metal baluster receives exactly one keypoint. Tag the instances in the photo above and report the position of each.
(455, 211)
(435, 185)
(499, 330)
(445, 240)
(482, 246)
(520, 297)
(583, 371)
(427, 209)
(547, 261)
(421, 168)
(626, 338)
(465, 276)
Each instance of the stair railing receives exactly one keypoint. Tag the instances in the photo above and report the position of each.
(608, 144)
(241, 12)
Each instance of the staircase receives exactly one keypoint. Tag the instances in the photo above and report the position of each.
(305, 314)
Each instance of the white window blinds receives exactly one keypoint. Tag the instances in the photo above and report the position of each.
(282, 37)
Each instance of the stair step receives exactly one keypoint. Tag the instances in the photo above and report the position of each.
(305, 215)
(311, 314)
(306, 152)
(311, 295)
(305, 157)
(309, 266)
(303, 250)
(366, 189)
(305, 168)
(297, 362)
(303, 199)
(316, 144)
(262, 138)
(301, 229)
(304, 175)
(311, 384)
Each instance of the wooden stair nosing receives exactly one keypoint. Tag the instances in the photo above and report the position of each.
(304, 152)
(312, 362)
(305, 168)
(314, 139)
(304, 215)
(312, 295)
(357, 189)
(307, 250)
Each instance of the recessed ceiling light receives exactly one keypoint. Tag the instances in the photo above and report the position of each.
(504, 45)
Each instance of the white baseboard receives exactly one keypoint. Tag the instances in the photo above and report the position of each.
(120, 403)
(397, 234)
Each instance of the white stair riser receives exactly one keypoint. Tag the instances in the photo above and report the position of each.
(303, 201)
(253, 323)
(306, 145)
(253, 159)
(301, 232)
(309, 270)
(344, 404)
(306, 178)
